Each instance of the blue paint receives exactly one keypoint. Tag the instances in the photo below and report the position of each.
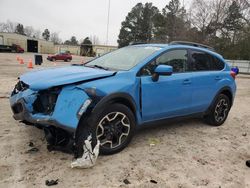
(176, 95)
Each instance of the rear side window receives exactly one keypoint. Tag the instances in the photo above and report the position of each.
(217, 64)
(202, 61)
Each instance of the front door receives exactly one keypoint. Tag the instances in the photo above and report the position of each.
(170, 96)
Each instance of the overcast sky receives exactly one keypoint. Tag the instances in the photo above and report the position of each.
(80, 18)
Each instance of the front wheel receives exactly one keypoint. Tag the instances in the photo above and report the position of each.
(219, 111)
(114, 127)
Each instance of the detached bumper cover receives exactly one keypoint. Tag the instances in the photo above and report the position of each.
(65, 114)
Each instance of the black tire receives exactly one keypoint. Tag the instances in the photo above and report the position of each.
(219, 111)
(67, 60)
(53, 59)
(92, 124)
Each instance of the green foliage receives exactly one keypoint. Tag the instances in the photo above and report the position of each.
(72, 41)
(87, 47)
(138, 25)
(222, 24)
(46, 34)
(19, 29)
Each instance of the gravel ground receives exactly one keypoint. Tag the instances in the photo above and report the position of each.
(186, 153)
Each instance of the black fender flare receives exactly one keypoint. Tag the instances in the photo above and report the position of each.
(222, 90)
(119, 97)
(103, 102)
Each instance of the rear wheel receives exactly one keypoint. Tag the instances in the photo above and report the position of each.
(219, 111)
(114, 127)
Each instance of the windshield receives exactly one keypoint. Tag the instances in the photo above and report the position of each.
(123, 58)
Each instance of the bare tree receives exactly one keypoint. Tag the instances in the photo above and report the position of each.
(54, 37)
(37, 34)
(8, 27)
(94, 39)
(29, 31)
(208, 16)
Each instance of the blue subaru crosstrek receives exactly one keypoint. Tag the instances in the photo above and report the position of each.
(110, 96)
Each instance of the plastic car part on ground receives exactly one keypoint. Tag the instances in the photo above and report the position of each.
(89, 156)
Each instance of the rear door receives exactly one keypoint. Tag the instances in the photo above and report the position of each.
(206, 73)
(170, 96)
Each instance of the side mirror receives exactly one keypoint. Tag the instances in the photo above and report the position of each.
(164, 70)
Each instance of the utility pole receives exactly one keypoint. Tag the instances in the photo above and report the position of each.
(107, 34)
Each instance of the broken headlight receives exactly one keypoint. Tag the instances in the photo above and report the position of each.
(46, 101)
(20, 86)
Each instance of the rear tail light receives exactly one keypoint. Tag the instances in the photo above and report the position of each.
(233, 74)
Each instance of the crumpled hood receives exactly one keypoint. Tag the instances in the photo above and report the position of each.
(44, 79)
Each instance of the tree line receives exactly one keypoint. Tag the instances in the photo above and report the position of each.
(222, 24)
(29, 31)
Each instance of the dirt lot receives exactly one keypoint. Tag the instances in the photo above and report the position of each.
(186, 153)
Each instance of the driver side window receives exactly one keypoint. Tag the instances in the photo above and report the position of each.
(175, 58)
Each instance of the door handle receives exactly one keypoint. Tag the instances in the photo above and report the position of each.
(187, 81)
(217, 78)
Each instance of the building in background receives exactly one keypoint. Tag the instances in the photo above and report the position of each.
(78, 49)
(103, 49)
(75, 50)
(27, 43)
(46, 47)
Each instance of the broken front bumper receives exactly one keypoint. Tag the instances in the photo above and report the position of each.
(70, 104)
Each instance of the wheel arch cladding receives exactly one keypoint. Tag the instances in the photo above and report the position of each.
(122, 98)
(224, 90)
(228, 93)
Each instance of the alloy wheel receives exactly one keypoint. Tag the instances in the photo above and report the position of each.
(113, 129)
(221, 110)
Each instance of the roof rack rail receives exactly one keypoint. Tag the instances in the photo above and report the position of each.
(191, 44)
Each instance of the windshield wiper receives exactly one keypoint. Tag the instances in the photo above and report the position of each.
(97, 66)
(100, 67)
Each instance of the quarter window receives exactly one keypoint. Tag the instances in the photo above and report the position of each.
(202, 61)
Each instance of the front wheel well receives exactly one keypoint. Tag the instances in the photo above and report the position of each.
(125, 102)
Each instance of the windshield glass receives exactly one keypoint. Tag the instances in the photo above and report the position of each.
(123, 58)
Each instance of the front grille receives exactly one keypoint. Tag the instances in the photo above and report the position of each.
(20, 86)
(17, 108)
(45, 101)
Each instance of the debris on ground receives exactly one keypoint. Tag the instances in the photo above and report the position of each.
(31, 144)
(51, 182)
(201, 161)
(153, 141)
(4, 96)
(126, 181)
(32, 150)
(244, 134)
(89, 156)
(153, 181)
(248, 163)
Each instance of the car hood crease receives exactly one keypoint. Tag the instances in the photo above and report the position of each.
(47, 78)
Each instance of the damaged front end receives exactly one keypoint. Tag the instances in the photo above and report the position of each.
(56, 110)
